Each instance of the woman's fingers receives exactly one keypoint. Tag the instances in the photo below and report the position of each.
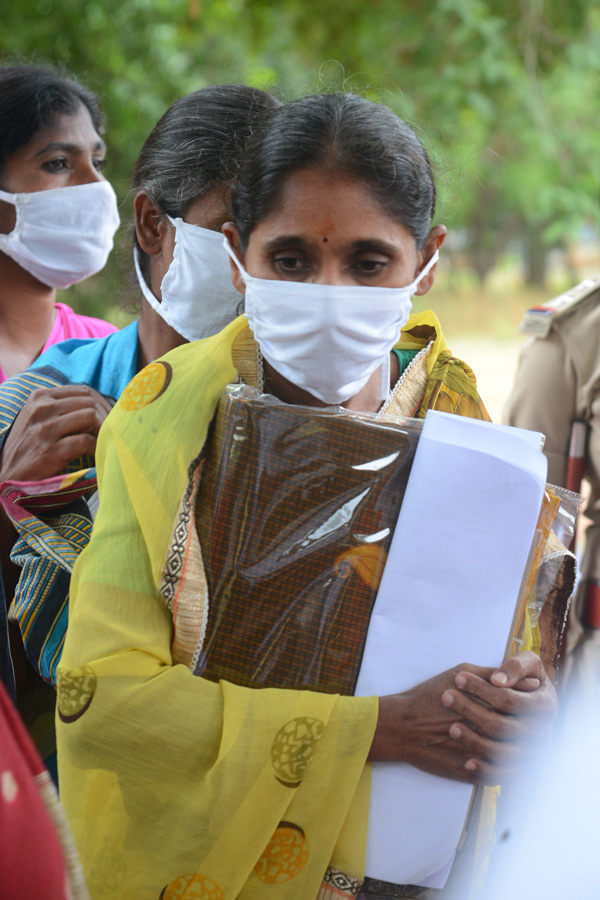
(527, 685)
(481, 771)
(54, 427)
(47, 407)
(505, 700)
(499, 752)
(460, 725)
(503, 714)
(496, 725)
(513, 670)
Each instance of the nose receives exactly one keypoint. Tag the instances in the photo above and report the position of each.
(86, 173)
(332, 272)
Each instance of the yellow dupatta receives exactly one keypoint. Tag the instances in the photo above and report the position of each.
(173, 784)
(177, 787)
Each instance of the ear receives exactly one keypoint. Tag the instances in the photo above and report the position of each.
(231, 233)
(150, 224)
(8, 217)
(435, 239)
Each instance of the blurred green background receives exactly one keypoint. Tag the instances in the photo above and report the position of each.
(504, 93)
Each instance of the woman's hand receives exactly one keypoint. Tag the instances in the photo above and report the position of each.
(54, 427)
(505, 717)
(469, 723)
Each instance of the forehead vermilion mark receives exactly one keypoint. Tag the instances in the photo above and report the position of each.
(324, 228)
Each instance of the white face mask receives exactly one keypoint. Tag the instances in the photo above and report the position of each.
(63, 235)
(198, 298)
(328, 339)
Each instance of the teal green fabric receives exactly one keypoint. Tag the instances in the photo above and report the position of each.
(405, 357)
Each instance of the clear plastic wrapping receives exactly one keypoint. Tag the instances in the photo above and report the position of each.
(295, 515)
(549, 579)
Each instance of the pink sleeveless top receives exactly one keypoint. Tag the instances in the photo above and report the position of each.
(68, 324)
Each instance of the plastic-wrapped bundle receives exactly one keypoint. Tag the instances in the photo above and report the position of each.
(295, 515)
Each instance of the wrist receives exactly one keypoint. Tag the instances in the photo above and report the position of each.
(389, 741)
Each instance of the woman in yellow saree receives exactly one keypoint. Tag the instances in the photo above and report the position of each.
(178, 787)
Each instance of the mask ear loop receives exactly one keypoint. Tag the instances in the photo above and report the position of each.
(425, 270)
(385, 366)
(229, 250)
(146, 291)
(385, 377)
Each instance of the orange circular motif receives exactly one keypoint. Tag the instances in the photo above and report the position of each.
(444, 402)
(293, 749)
(285, 856)
(75, 691)
(192, 887)
(467, 406)
(147, 386)
(368, 560)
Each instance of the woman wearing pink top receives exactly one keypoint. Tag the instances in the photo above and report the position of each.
(58, 214)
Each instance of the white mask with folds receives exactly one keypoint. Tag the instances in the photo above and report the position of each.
(328, 339)
(63, 235)
(198, 298)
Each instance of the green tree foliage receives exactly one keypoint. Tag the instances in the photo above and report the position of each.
(504, 92)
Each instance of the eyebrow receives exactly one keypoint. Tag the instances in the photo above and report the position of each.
(373, 245)
(284, 240)
(68, 148)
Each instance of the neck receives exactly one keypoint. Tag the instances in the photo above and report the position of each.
(368, 399)
(155, 337)
(26, 316)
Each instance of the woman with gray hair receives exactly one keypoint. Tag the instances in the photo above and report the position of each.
(51, 414)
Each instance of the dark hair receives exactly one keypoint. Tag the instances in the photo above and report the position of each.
(196, 145)
(30, 99)
(345, 134)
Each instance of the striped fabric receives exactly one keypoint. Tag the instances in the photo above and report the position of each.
(51, 516)
(16, 390)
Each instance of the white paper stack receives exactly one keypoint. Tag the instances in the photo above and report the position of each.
(447, 596)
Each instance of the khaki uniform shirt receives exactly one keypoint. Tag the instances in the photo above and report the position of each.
(557, 381)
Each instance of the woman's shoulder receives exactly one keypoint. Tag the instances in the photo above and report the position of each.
(177, 393)
(69, 324)
(158, 427)
(107, 364)
(451, 385)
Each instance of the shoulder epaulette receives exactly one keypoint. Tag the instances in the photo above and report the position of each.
(538, 320)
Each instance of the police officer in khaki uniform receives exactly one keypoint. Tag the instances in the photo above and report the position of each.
(558, 384)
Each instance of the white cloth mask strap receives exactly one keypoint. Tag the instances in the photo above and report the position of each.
(231, 253)
(152, 300)
(424, 271)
